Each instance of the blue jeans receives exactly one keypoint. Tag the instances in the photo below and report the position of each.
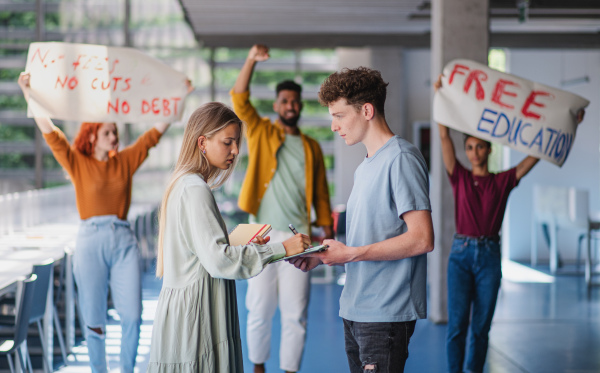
(106, 254)
(474, 275)
(377, 346)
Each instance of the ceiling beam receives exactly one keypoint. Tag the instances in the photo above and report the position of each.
(405, 23)
(545, 40)
(497, 40)
(297, 40)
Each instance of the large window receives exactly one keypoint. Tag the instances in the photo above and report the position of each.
(158, 28)
(307, 67)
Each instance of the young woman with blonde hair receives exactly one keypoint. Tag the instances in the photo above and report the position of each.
(196, 327)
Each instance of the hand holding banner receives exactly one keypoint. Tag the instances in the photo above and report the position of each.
(94, 83)
(530, 117)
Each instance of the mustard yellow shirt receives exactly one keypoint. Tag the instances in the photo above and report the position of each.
(101, 187)
(264, 139)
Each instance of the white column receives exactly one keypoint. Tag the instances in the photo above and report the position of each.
(459, 29)
(389, 61)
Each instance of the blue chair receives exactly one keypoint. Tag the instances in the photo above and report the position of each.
(57, 298)
(13, 346)
(140, 232)
(38, 309)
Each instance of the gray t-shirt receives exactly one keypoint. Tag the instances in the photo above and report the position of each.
(393, 181)
(284, 201)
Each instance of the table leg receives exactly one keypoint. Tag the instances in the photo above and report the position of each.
(588, 261)
(69, 304)
(534, 242)
(553, 247)
(48, 324)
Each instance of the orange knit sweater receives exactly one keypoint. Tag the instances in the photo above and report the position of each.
(102, 187)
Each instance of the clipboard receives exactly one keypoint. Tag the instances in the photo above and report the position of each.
(315, 249)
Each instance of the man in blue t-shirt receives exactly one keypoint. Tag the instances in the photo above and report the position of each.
(388, 225)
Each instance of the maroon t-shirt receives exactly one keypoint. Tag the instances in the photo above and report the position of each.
(480, 201)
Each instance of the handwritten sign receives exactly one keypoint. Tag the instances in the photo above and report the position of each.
(95, 83)
(530, 117)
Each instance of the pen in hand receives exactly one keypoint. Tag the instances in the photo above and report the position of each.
(294, 231)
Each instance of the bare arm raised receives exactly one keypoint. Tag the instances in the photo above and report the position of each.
(525, 166)
(448, 152)
(44, 123)
(257, 53)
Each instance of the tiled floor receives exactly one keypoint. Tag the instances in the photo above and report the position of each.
(543, 324)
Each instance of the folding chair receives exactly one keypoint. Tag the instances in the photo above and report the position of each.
(13, 346)
(43, 273)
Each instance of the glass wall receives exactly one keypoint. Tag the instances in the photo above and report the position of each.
(307, 67)
(158, 28)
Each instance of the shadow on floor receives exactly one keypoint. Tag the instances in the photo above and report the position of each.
(539, 327)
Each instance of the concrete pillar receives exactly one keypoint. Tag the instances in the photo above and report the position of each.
(388, 60)
(459, 29)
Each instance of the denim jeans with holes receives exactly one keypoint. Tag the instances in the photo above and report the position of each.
(474, 275)
(106, 255)
(380, 347)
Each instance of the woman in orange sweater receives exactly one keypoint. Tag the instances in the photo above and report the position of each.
(107, 252)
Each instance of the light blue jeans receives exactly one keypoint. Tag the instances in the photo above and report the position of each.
(106, 254)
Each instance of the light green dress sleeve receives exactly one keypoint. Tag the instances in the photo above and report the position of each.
(206, 234)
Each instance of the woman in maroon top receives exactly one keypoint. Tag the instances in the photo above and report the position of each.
(474, 270)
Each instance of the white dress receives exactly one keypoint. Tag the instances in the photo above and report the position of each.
(196, 328)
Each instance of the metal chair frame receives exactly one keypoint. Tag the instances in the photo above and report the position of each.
(24, 307)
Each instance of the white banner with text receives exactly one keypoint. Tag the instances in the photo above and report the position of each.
(95, 83)
(527, 116)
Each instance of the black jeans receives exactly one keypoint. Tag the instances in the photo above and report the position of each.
(377, 346)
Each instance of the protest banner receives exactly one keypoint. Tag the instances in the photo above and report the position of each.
(95, 83)
(530, 117)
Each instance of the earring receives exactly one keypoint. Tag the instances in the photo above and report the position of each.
(203, 151)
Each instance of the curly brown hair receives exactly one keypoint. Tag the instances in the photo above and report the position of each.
(358, 86)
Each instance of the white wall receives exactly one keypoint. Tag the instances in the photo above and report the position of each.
(582, 168)
(418, 88)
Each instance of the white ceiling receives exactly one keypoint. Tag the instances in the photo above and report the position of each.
(330, 23)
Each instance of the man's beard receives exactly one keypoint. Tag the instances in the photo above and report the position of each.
(291, 122)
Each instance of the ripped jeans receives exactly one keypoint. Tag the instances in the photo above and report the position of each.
(107, 254)
(377, 346)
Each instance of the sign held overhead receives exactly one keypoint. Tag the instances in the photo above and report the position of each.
(530, 117)
(95, 83)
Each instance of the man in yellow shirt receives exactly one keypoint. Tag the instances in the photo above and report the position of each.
(284, 181)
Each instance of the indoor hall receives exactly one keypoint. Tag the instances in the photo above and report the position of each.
(545, 321)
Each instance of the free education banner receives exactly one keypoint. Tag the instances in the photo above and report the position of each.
(95, 83)
(530, 117)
